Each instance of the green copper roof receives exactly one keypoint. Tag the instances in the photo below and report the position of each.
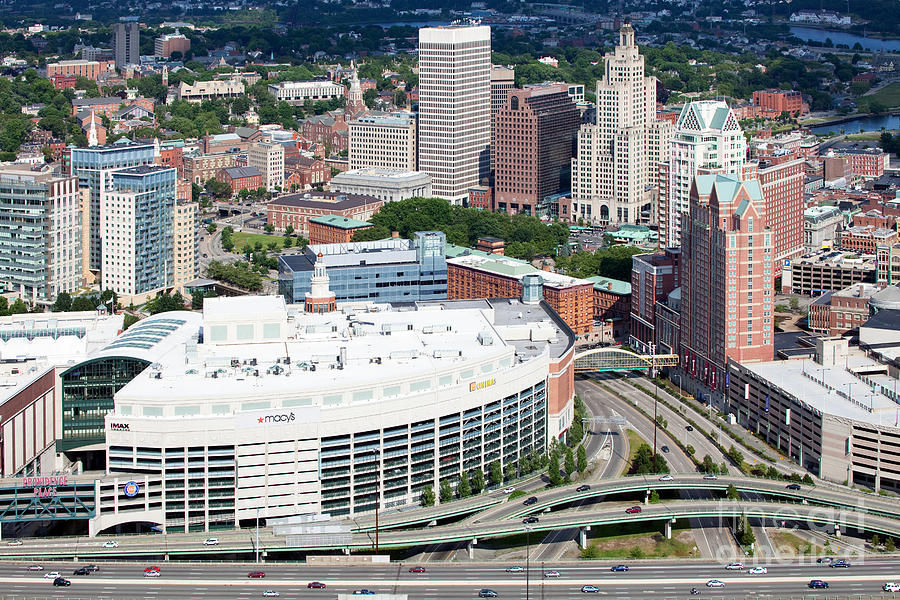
(614, 286)
(340, 222)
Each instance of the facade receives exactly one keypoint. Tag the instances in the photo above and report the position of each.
(781, 179)
(137, 217)
(820, 227)
(866, 238)
(849, 308)
(726, 278)
(240, 178)
(387, 185)
(209, 90)
(481, 197)
(186, 233)
(535, 132)
(503, 79)
(488, 275)
(90, 69)
(126, 44)
(89, 165)
(299, 93)
(390, 270)
(165, 45)
(296, 209)
(653, 278)
(386, 141)
(869, 163)
(268, 157)
(200, 168)
(707, 139)
(305, 172)
(826, 271)
(454, 108)
(40, 233)
(615, 167)
(612, 304)
(779, 101)
(332, 229)
(835, 416)
(888, 261)
(108, 106)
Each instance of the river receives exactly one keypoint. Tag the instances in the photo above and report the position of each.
(860, 125)
(842, 37)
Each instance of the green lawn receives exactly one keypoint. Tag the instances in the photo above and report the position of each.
(240, 239)
(634, 442)
(624, 540)
(889, 95)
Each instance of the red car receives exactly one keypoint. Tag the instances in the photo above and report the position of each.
(315, 585)
(149, 569)
(256, 574)
(417, 569)
(633, 510)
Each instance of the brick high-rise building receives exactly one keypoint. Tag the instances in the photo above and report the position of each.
(503, 79)
(779, 101)
(165, 45)
(781, 178)
(615, 169)
(455, 108)
(126, 44)
(726, 278)
(707, 138)
(535, 133)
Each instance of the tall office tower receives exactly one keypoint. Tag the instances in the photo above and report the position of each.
(386, 141)
(268, 157)
(503, 79)
(726, 278)
(40, 233)
(455, 107)
(89, 163)
(535, 132)
(707, 138)
(126, 44)
(137, 217)
(612, 176)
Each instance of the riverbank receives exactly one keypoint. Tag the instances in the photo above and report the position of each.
(865, 123)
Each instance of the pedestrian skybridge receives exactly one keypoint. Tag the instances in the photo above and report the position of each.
(618, 359)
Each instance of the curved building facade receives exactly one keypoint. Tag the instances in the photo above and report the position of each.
(268, 408)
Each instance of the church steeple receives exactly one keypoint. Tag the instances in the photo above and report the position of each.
(355, 103)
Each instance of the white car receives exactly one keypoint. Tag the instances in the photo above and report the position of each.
(890, 586)
(515, 569)
(211, 542)
(509, 490)
(152, 574)
(270, 594)
(14, 543)
(667, 478)
(758, 571)
(710, 476)
(35, 568)
(111, 544)
(735, 566)
(715, 583)
(552, 574)
(51, 575)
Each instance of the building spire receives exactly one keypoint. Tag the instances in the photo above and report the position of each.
(319, 298)
(355, 103)
(92, 137)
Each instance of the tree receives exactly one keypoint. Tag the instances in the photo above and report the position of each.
(581, 460)
(463, 489)
(82, 303)
(4, 306)
(889, 545)
(428, 496)
(18, 307)
(708, 466)
(732, 493)
(496, 473)
(269, 228)
(808, 480)
(875, 540)
(289, 230)
(745, 532)
(773, 473)
(575, 433)
(553, 471)
(645, 462)
(477, 481)
(446, 492)
(197, 297)
(654, 497)
(569, 464)
(63, 302)
(196, 190)
(211, 228)
(690, 450)
(287, 241)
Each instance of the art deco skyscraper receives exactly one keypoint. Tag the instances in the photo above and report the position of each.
(455, 107)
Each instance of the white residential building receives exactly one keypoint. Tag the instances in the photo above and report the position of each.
(298, 92)
(388, 185)
(385, 141)
(455, 107)
(208, 90)
(268, 157)
(612, 175)
(707, 138)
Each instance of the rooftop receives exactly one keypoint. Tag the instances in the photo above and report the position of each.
(325, 200)
(339, 221)
(512, 267)
(240, 172)
(376, 174)
(615, 286)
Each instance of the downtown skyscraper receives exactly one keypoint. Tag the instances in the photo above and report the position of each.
(455, 107)
(614, 171)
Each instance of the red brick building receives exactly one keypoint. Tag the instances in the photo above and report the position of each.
(840, 313)
(328, 129)
(865, 239)
(334, 229)
(305, 172)
(62, 82)
(491, 245)
(779, 101)
(781, 178)
(612, 304)
(535, 130)
(653, 278)
(108, 106)
(296, 209)
(241, 178)
(481, 197)
(865, 162)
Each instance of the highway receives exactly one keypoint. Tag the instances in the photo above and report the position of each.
(450, 581)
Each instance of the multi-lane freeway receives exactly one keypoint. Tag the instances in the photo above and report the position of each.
(451, 581)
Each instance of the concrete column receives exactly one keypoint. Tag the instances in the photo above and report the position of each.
(668, 528)
(347, 551)
(837, 530)
(166, 557)
(582, 536)
(647, 497)
(470, 548)
(262, 556)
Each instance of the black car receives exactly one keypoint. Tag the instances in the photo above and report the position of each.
(530, 501)
(81, 571)
(794, 486)
(823, 559)
(92, 568)
(61, 582)
(690, 428)
(817, 584)
(665, 448)
(530, 520)
(485, 593)
(619, 568)
(582, 488)
(840, 563)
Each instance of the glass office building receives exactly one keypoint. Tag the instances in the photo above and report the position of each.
(390, 270)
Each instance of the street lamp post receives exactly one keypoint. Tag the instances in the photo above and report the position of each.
(655, 395)
(680, 393)
(527, 560)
